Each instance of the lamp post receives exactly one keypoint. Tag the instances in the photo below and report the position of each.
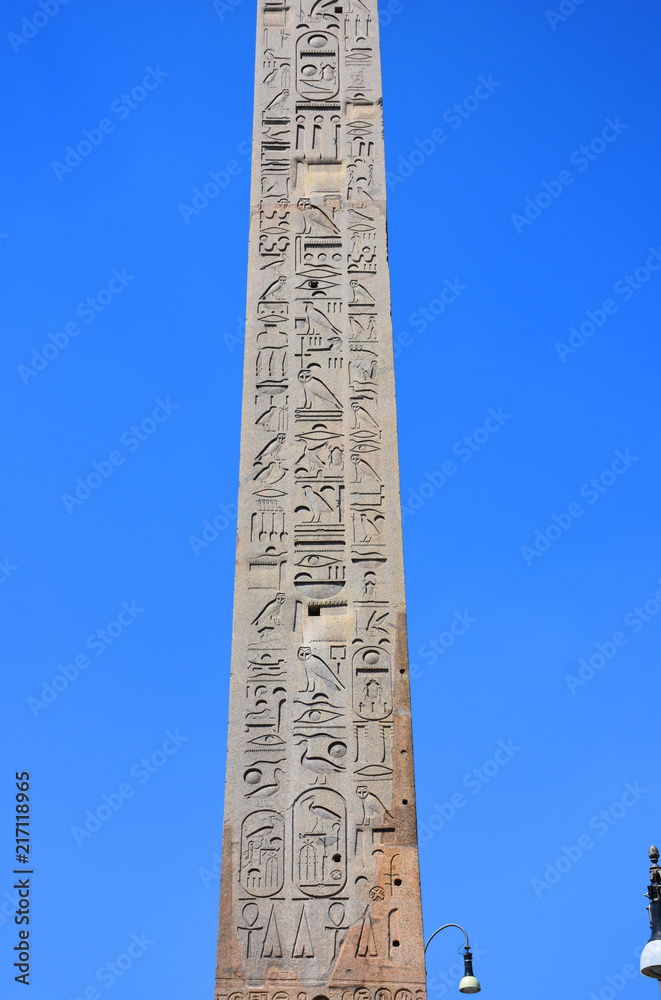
(469, 983)
(650, 959)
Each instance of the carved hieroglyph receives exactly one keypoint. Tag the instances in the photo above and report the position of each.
(320, 891)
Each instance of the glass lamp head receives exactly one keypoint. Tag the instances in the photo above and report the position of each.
(469, 983)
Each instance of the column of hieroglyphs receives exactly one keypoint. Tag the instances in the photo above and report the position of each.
(320, 891)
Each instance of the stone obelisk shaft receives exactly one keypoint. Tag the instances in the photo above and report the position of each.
(320, 888)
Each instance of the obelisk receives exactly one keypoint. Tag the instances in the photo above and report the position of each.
(320, 886)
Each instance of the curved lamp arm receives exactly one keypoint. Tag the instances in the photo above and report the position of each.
(469, 983)
(442, 929)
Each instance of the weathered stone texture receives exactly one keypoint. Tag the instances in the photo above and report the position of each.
(320, 891)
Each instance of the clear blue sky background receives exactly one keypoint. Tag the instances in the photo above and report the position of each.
(171, 330)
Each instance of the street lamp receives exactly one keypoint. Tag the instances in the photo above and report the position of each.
(469, 983)
(650, 959)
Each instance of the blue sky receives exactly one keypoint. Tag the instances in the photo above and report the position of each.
(525, 242)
